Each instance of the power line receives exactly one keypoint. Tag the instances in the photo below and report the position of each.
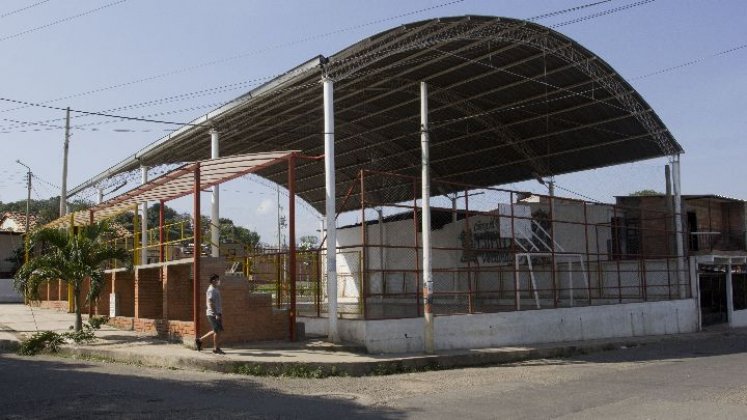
(602, 13)
(56, 22)
(690, 63)
(242, 55)
(564, 11)
(44, 181)
(256, 80)
(39, 105)
(13, 12)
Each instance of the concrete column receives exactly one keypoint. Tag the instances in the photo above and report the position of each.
(729, 295)
(428, 338)
(695, 287)
(329, 178)
(144, 219)
(215, 199)
(679, 239)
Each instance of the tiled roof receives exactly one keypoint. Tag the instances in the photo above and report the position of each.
(16, 222)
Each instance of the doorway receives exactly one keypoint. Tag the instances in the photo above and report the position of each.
(713, 297)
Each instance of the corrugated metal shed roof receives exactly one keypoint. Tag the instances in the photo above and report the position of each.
(174, 184)
(509, 100)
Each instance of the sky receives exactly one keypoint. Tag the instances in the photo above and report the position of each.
(176, 60)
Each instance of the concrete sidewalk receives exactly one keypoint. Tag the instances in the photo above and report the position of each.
(307, 358)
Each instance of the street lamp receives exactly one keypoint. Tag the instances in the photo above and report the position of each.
(28, 202)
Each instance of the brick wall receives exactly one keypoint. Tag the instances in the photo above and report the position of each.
(101, 306)
(121, 322)
(177, 296)
(247, 317)
(165, 308)
(148, 293)
(58, 305)
(123, 285)
(172, 330)
(85, 287)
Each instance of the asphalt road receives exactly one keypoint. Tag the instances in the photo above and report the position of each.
(703, 379)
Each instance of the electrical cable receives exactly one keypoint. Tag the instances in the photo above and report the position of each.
(13, 12)
(538, 17)
(239, 56)
(39, 105)
(56, 22)
(690, 63)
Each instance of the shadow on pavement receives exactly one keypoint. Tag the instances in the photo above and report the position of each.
(675, 349)
(45, 388)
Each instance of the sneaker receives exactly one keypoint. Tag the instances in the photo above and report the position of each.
(198, 344)
(219, 351)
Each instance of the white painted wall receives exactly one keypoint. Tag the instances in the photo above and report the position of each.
(521, 328)
(738, 319)
(393, 270)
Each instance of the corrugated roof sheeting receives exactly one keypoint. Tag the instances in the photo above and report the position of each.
(176, 183)
(508, 100)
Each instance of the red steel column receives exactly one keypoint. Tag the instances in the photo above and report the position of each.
(197, 252)
(292, 242)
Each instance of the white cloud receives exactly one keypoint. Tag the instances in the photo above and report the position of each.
(266, 206)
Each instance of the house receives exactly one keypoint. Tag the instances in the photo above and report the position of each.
(16, 222)
(12, 227)
(715, 228)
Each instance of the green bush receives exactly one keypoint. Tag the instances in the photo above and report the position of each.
(50, 340)
(39, 341)
(97, 321)
(83, 336)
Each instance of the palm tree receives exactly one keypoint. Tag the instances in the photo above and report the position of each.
(70, 256)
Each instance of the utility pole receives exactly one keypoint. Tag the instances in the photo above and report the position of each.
(28, 203)
(63, 192)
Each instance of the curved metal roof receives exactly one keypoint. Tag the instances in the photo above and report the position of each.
(509, 100)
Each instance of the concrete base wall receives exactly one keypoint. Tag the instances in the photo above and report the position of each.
(738, 319)
(7, 293)
(519, 328)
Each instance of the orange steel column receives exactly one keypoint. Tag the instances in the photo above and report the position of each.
(197, 252)
(292, 242)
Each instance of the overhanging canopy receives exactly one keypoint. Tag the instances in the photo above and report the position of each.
(510, 100)
(176, 183)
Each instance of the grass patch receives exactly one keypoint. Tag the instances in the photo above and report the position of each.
(287, 370)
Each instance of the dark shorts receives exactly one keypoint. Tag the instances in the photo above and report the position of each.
(215, 323)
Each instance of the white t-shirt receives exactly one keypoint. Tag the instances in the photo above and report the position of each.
(213, 294)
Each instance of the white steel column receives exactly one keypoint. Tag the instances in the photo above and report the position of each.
(144, 219)
(426, 209)
(729, 294)
(215, 199)
(329, 179)
(679, 240)
(100, 195)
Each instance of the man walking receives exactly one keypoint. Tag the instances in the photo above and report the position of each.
(214, 315)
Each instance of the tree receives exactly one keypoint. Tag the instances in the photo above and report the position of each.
(170, 216)
(307, 242)
(71, 257)
(230, 233)
(45, 210)
(645, 193)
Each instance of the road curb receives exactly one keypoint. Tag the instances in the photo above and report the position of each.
(394, 365)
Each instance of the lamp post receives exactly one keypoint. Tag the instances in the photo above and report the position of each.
(28, 202)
